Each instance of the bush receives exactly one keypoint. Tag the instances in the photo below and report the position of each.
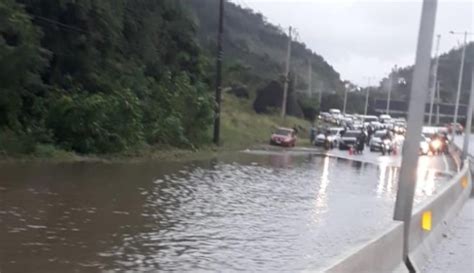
(96, 123)
(15, 143)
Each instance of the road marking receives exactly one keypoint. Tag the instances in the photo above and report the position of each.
(446, 164)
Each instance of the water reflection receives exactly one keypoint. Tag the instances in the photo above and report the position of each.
(282, 160)
(246, 212)
(321, 198)
(381, 180)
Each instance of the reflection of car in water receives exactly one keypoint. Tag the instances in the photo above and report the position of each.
(348, 139)
(333, 137)
(283, 137)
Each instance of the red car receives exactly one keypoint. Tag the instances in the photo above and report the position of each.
(284, 137)
(458, 128)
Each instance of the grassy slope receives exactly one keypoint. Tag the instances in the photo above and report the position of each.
(242, 127)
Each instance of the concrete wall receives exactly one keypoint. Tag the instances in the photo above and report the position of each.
(444, 207)
(384, 253)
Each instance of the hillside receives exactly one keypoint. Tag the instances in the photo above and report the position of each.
(448, 73)
(255, 50)
(100, 76)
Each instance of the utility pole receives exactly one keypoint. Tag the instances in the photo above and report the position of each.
(310, 78)
(418, 97)
(389, 95)
(217, 113)
(467, 131)
(287, 71)
(321, 88)
(367, 97)
(345, 100)
(435, 79)
(438, 100)
(461, 71)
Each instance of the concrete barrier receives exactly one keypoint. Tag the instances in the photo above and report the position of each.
(382, 254)
(441, 210)
(385, 252)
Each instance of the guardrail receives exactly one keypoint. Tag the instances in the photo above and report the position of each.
(429, 222)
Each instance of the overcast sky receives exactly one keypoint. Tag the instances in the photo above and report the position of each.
(362, 38)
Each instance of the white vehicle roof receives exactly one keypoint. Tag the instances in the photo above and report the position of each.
(431, 129)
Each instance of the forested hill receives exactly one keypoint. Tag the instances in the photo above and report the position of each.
(100, 76)
(448, 75)
(255, 50)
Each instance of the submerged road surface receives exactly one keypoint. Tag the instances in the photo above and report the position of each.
(283, 210)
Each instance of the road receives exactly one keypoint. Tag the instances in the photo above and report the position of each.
(259, 210)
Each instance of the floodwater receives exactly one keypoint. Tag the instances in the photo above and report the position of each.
(266, 212)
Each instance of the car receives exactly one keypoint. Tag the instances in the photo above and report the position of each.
(283, 137)
(376, 125)
(375, 143)
(367, 120)
(424, 145)
(458, 128)
(325, 116)
(399, 127)
(334, 135)
(385, 118)
(357, 125)
(335, 112)
(346, 122)
(348, 140)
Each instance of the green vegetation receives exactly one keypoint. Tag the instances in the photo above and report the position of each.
(255, 53)
(241, 127)
(100, 76)
(131, 77)
(448, 75)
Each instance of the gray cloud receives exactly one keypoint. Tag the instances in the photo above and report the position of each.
(364, 38)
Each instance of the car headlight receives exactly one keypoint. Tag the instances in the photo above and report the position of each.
(386, 142)
(436, 144)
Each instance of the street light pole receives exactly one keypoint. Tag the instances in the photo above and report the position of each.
(389, 95)
(367, 96)
(345, 100)
(310, 79)
(438, 101)
(217, 111)
(418, 96)
(435, 80)
(461, 71)
(287, 72)
(467, 131)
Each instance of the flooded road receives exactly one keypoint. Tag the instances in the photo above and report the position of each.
(259, 212)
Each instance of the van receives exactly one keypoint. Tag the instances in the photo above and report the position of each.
(335, 112)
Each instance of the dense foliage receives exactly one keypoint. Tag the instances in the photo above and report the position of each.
(448, 75)
(100, 76)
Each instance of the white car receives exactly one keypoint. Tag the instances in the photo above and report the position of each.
(334, 136)
(375, 142)
(424, 146)
(369, 119)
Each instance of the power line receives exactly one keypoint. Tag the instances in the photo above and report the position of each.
(49, 20)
